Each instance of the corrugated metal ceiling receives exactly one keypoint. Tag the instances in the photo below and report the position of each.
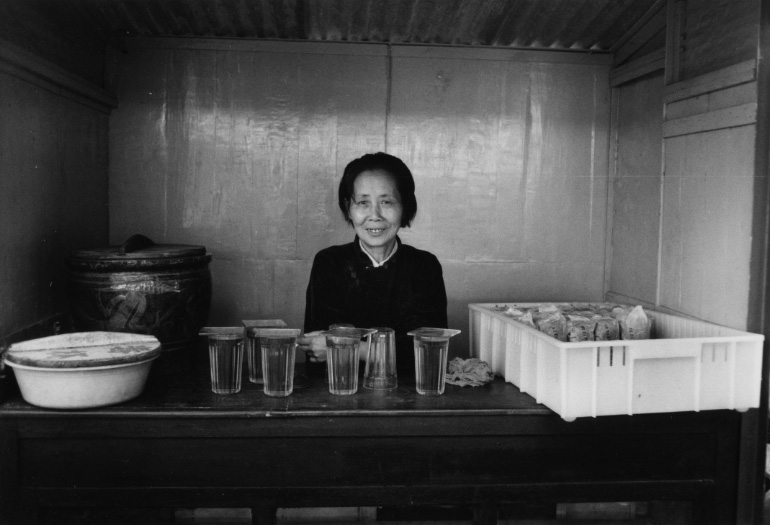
(581, 25)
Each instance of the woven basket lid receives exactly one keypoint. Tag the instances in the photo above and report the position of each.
(84, 350)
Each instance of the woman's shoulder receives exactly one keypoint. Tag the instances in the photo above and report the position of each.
(416, 254)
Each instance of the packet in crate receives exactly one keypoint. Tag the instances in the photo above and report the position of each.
(577, 322)
(634, 323)
(580, 328)
(553, 324)
(607, 328)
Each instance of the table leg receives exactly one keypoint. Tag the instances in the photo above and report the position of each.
(10, 511)
(264, 515)
(714, 510)
(485, 513)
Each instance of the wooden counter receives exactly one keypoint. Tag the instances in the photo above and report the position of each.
(179, 445)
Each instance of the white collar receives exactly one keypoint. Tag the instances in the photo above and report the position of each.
(375, 263)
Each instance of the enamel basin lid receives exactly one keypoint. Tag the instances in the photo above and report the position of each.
(84, 350)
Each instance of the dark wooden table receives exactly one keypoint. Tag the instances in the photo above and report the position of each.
(179, 445)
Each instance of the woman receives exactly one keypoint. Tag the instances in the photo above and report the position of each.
(376, 280)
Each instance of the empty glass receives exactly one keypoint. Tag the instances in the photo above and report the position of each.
(225, 358)
(342, 358)
(431, 346)
(278, 347)
(254, 350)
(380, 370)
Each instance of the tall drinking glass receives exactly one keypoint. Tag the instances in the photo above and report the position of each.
(342, 358)
(380, 370)
(278, 352)
(431, 347)
(225, 358)
(254, 350)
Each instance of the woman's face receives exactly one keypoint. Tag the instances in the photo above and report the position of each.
(375, 211)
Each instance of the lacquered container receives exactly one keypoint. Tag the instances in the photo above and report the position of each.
(141, 287)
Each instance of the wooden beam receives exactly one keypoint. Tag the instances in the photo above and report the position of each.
(722, 118)
(674, 29)
(751, 474)
(655, 61)
(366, 48)
(20, 63)
(652, 23)
(724, 78)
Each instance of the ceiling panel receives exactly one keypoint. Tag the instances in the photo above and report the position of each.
(581, 25)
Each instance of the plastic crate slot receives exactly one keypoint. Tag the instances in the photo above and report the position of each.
(731, 375)
(611, 358)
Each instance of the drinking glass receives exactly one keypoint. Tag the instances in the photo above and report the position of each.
(278, 352)
(254, 350)
(320, 366)
(342, 358)
(225, 358)
(431, 347)
(380, 369)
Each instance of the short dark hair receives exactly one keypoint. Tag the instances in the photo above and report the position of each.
(395, 167)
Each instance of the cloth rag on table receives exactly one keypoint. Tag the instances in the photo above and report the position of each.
(469, 372)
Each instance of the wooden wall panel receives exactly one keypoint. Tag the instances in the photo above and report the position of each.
(135, 156)
(636, 189)
(510, 159)
(707, 220)
(53, 197)
(289, 286)
(461, 126)
(53, 160)
(696, 222)
(241, 150)
(345, 116)
(706, 36)
(708, 198)
(718, 34)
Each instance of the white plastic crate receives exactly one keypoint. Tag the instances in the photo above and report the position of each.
(690, 365)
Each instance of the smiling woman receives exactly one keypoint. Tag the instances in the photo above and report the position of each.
(376, 280)
(376, 213)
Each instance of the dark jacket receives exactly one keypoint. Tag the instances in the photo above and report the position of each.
(407, 292)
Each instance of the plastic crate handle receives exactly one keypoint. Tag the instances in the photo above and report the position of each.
(665, 349)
